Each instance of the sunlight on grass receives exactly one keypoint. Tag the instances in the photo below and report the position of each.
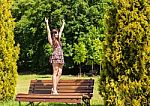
(23, 83)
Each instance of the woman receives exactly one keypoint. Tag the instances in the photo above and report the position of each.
(57, 58)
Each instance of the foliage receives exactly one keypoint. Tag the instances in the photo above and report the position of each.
(8, 52)
(31, 34)
(80, 53)
(94, 46)
(93, 32)
(125, 79)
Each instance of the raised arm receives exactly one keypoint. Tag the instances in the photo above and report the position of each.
(61, 29)
(48, 31)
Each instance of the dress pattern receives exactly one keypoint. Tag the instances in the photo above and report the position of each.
(57, 55)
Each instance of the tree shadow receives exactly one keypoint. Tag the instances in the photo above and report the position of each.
(60, 104)
(44, 77)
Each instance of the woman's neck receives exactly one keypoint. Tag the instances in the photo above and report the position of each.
(56, 42)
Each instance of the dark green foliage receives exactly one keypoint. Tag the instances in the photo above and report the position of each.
(125, 80)
(8, 52)
(31, 34)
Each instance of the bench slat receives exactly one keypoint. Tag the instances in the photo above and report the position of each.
(65, 81)
(62, 84)
(49, 100)
(65, 87)
(67, 94)
(40, 91)
(47, 96)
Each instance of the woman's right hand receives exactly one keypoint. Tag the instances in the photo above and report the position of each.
(46, 20)
(63, 21)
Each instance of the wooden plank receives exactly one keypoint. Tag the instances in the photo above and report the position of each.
(61, 91)
(62, 88)
(62, 100)
(60, 82)
(66, 94)
(50, 96)
(66, 81)
(63, 84)
(85, 96)
(71, 94)
(65, 87)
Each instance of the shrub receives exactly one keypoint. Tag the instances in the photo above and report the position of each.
(8, 52)
(125, 80)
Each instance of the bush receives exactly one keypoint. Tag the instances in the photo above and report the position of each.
(8, 52)
(125, 80)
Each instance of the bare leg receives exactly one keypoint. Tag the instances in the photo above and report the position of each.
(59, 73)
(54, 78)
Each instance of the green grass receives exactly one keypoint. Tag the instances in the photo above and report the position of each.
(24, 81)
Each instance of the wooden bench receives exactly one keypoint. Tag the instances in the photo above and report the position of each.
(77, 91)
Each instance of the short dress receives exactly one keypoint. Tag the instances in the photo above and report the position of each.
(57, 55)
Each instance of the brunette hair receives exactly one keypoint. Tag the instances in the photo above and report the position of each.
(53, 32)
(53, 37)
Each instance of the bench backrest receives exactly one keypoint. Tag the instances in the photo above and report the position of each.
(78, 86)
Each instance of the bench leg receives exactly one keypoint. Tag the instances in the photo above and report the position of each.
(31, 103)
(79, 104)
(19, 103)
(87, 102)
(38, 104)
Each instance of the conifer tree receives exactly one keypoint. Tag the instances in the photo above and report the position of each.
(125, 80)
(8, 52)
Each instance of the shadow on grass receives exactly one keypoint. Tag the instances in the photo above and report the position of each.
(15, 103)
(44, 77)
(57, 104)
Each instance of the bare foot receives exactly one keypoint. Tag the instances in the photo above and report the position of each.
(54, 92)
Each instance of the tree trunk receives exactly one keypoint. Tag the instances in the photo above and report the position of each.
(92, 66)
(100, 68)
(80, 71)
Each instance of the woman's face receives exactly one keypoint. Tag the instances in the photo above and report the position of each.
(56, 34)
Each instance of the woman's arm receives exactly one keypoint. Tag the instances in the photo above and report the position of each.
(48, 31)
(61, 29)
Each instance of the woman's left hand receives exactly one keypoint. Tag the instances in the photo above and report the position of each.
(63, 21)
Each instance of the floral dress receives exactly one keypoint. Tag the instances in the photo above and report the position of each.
(57, 55)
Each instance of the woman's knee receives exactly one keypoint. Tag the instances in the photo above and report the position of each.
(60, 70)
(55, 69)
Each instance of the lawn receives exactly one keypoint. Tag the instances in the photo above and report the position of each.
(24, 81)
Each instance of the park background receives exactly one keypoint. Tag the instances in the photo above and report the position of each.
(109, 38)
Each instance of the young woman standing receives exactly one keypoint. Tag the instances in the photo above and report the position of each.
(57, 58)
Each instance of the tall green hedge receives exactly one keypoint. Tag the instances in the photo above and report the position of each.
(125, 80)
(8, 52)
